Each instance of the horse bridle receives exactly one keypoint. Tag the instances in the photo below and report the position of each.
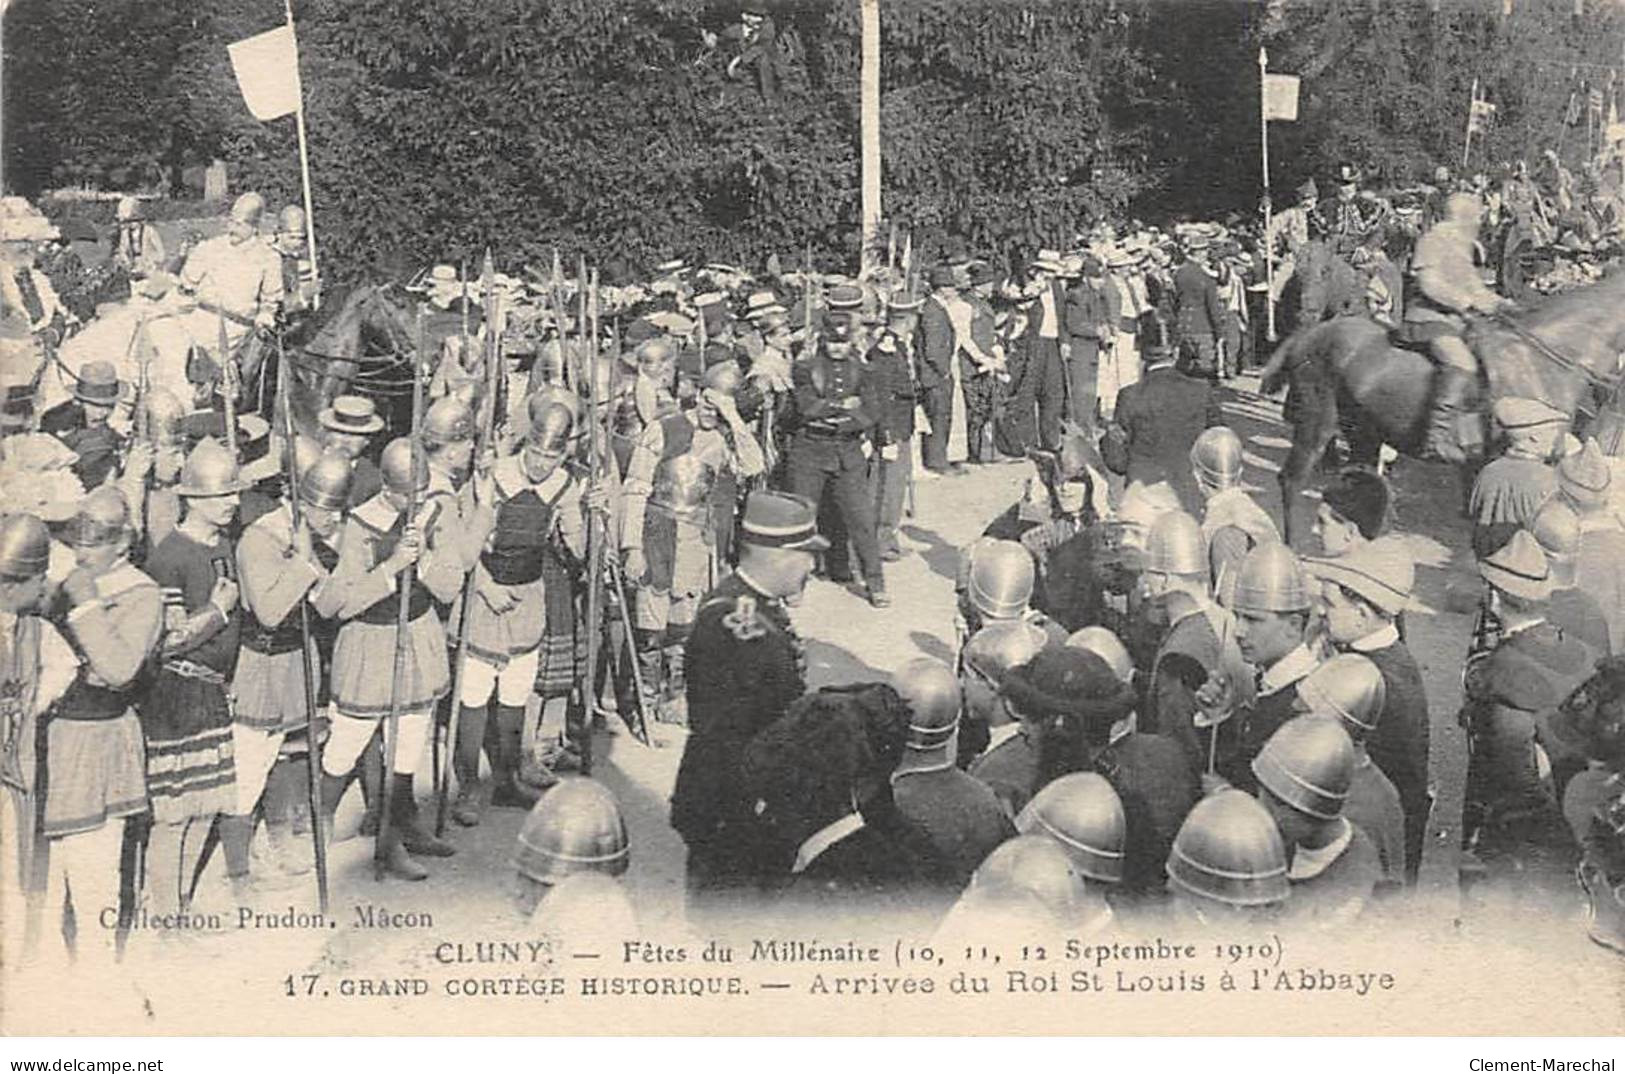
(1557, 357)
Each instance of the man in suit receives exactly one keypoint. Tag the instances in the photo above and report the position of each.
(1157, 420)
(1199, 312)
(934, 370)
(891, 364)
(1047, 348)
(1091, 311)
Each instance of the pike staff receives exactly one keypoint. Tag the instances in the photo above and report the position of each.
(307, 662)
(408, 577)
(597, 530)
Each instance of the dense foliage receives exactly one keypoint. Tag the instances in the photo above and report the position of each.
(633, 130)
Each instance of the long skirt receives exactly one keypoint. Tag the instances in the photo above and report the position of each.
(96, 771)
(191, 770)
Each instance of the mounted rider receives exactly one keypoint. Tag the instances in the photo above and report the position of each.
(237, 278)
(1445, 287)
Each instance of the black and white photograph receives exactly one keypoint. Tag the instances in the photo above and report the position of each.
(812, 517)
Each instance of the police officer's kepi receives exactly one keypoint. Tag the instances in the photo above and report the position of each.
(781, 520)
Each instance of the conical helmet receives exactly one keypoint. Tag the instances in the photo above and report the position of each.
(447, 421)
(25, 547)
(931, 691)
(1082, 812)
(1106, 645)
(103, 519)
(551, 425)
(1349, 687)
(1308, 764)
(163, 414)
(1216, 457)
(210, 470)
(404, 470)
(1037, 865)
(1002, 645)
(326, 482)
(1001, 578)
(1229, 850)
(1176, 546)
(574, 828)
(1270, 579)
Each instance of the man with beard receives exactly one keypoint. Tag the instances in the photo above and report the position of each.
(745, 666)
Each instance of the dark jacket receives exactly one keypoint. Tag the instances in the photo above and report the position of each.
(1156, 421)
(894, 386)
(1188, 654)
(1157, 789)
(1199, 312)
(936, 345)
(957, 815)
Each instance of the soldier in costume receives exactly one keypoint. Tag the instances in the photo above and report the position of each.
(1216, 462)
(535, 502)
(745, 666)
(280, 568)
(1082, 813)
(575, 829)
(1272, 609)
(1586, 482)
(1353, 214)
(1571, 608)
(1303, 773)
(1363, 594)
(1511, 488)
(1349, 688)
(958, 816)
(836, 406)
(152, 469)
(1512, 692)
(668, 524)
(1228, 865)
(137, 247)
(237, 281)
(300, 287)
(378, 544)
(1445, 287)
(1289, 231)
(1008, 762)
(36, 668)
(186, 713)
(81, 422)
(26, 295)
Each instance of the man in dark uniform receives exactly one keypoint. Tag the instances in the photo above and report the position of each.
(81, 422)
(837, 404)
(1156, 422)
(891, 364)
(957, 815)
(1091, 310)
(745, 666)
(935, 356)
(1199, 313)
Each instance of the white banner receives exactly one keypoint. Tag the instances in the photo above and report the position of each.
(267, 68)
(1281, 97)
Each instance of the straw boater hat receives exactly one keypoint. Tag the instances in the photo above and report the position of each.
(1049, 261)
(352, 414)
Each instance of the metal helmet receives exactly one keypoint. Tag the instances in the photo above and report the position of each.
(1270, 579)
(1216, 457)
(103, 519)
(1176, 546)
(931, 691)
(1037, 865)
(1002, 645)
(404, 470)
(325, 483)
(164, 417)
(1082, 812)
(447, 421)
(574, 828)
(724, 377)
(549, 395)
(1001, 578)
(210, 470)
(683, 483)
(1349, 687)
(550, 427)
(25, 547)
(248, 208)
(1229, 850)
(1308, 764)
(130, 208)
(1106, 645)
(291, 221)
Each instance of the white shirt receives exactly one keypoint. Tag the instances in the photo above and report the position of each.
(1377, 639)
(1287, 670)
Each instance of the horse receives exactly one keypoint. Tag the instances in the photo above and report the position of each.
(1556, 352)
(365, 347)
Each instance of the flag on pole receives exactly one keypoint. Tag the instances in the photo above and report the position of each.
(1281, 97)
(267, 69)
(1479, 116)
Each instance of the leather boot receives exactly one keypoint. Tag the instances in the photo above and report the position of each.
(1443, 438)
(415, 835)
(471, 737)
(397, 862)
(332, 790)
(508, 792)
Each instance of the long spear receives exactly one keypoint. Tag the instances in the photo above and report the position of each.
(307, 663)
(597, 531)
(408, 578)
(228, 389)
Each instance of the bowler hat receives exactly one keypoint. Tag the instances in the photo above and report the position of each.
(97, 384)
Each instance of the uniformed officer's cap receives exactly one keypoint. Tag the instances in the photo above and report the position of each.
(1514, 412)
(781, 520)
(843, 298)
(1584, 477)
(1519, 567)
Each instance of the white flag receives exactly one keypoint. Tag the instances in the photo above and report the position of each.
(267, 67)
(1281, 97)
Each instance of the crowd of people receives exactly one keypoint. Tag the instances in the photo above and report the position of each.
(1155, 705)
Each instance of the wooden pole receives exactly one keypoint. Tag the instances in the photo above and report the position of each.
(869, 93)
(304, 171)
(1467, 143)
(1269, 211)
